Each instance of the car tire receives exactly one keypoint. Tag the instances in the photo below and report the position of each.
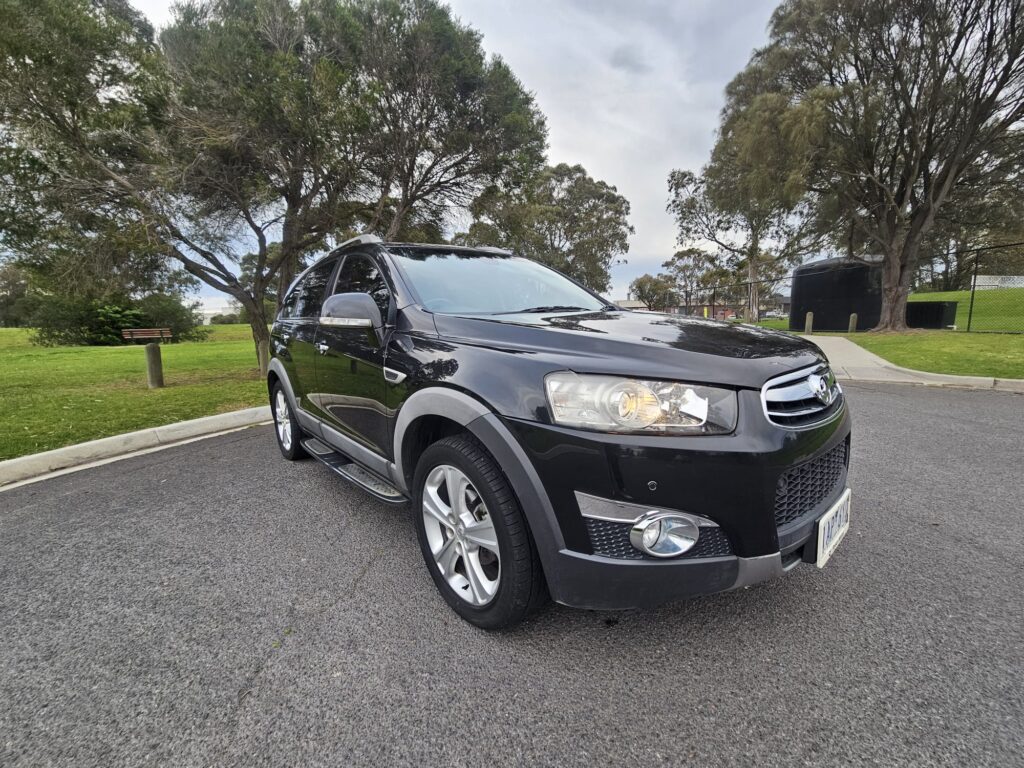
(286, 426)
(519, 588)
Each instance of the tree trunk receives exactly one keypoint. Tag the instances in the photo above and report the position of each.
(261, 339)
(895, 289)
(753, 292)
(285, 276)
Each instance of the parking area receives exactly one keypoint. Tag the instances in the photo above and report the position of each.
(211, 604)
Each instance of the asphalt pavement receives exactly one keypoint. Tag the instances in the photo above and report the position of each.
(212, 604)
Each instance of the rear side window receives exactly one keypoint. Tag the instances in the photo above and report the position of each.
(307, 296)
(360, 275)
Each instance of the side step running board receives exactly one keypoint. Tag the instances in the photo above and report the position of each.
(342, 465)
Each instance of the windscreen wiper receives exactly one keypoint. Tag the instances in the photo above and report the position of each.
(553, 308)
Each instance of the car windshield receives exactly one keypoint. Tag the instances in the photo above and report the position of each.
(471, 282)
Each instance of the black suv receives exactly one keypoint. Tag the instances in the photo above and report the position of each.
(552, 443)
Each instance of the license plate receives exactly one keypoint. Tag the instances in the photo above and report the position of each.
(832, 526)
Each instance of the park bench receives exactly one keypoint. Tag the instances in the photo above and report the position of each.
(146, 334)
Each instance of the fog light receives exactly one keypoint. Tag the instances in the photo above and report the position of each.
(664, 534)
(651, 534)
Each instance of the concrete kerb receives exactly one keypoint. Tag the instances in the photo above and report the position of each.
(25, 467)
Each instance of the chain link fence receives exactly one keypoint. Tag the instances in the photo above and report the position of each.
(995, 302)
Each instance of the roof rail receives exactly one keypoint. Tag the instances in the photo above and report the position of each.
(361, 240)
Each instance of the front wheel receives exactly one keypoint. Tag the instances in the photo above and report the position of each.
(286, 426)
(474, 536)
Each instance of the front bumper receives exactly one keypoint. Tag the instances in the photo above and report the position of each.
(740, 481)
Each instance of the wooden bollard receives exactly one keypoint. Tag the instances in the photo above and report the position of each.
(154, 366)
(809, 323)
(852, 328)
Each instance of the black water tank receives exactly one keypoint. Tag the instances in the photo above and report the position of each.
(931, 314)
(833, 289)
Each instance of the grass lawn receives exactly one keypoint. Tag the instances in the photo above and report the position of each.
(1001, 309)
(775, 323)
(965, 354)
(56, 396)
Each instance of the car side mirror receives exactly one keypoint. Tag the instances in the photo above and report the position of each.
(351, 310)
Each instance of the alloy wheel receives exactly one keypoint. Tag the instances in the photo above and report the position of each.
(461, 535)
(283, 420)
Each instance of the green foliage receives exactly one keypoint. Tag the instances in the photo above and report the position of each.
(70, 321)
(563, 218)
(449, 121)
(81, 83)
(658, 293)
(250, 117)
(160, 310)
(77, 321)
(225, 319)
(269, 311)
(692, 272)
(15, 301)
(757, 237)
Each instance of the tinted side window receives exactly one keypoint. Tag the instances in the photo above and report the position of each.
(360, 275)
(309, 293)
(288, 305)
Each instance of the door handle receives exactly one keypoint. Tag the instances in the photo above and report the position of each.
(322, 348)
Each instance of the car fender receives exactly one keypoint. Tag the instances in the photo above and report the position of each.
(489, 429)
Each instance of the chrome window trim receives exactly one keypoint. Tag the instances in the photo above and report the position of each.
(802, 373)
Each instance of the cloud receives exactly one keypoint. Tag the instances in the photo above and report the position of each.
(629, 59)
(631, 90)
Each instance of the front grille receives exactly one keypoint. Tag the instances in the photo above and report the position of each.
(803, 487)
(803, 398)
(611, 539)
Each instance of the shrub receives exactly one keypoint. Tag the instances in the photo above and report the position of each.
(63, 320)
(161, 310)
(75, 321)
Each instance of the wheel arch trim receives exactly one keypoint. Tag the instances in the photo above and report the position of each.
(499, 441)
(307, 422)
(432, 401)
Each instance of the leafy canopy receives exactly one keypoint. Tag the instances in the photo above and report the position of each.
(562, 218)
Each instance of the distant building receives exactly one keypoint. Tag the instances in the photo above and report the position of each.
(989, 282)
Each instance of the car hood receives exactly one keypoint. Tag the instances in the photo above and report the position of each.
(641, 344)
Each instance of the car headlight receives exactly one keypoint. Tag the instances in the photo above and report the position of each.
(616, 404)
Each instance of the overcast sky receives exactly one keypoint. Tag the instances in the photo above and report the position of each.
(631, 88)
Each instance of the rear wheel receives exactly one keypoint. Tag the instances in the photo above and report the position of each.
(286, 427)
(474, 537)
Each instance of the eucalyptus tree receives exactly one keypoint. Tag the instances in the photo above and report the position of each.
(450, 122)
(655, 291)
(262, 129)
(890, 105)
(561, 217)
(690, 271)
(243, 124)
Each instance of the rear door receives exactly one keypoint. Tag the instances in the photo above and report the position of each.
(350, 366)
(296, 331)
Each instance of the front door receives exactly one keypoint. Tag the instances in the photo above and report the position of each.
(350, 363)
